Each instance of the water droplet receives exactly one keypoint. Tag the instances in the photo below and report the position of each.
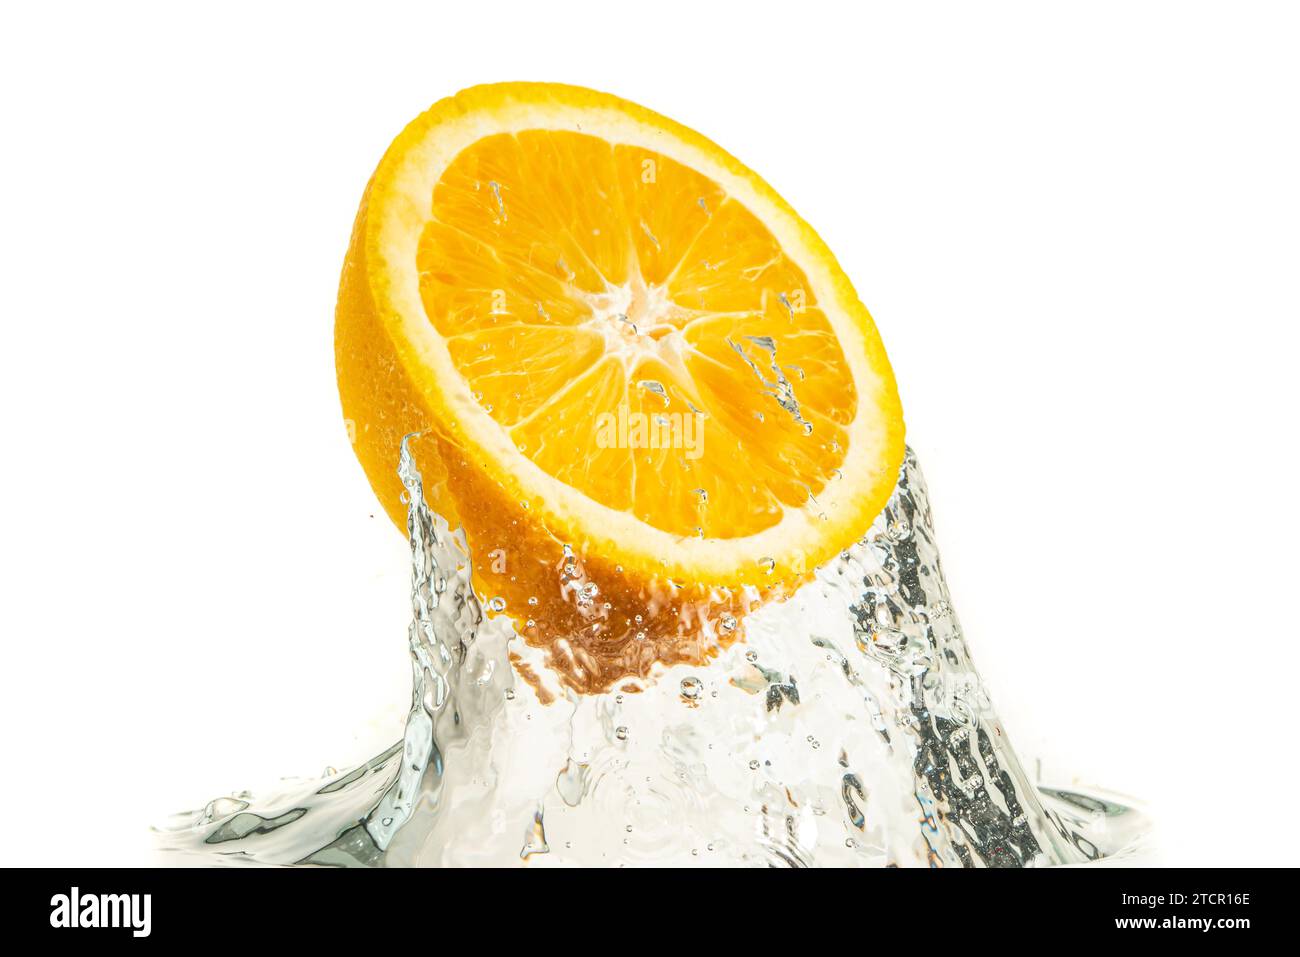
(650, 385)
(222, 807)
(571, 782)
(621, 733)
(728, 622)
(535, 838)
(497, 604)
(692, 688)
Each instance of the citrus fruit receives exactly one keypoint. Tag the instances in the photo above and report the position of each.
(649, 393)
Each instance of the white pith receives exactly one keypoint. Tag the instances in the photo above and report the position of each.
(634, 321)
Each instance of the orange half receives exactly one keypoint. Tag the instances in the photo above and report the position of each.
(653, 396)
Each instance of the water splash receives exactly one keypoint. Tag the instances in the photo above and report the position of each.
(850, 728)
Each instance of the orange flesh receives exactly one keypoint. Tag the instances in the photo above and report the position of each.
(638, 294)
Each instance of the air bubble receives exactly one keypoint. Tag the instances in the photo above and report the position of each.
(692, 688)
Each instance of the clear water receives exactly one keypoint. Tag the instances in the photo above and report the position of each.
(848, 728)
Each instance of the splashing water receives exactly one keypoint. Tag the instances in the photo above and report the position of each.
(848, 728)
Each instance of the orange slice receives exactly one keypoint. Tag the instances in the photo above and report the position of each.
(653, 397)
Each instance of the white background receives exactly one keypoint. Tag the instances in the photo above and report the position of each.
(1078, 230)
